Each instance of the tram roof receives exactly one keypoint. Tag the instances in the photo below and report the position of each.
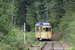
(42, 24)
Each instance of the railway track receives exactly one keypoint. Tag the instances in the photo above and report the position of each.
(49, 45)
(46, 47)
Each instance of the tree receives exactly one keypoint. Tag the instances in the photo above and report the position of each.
(5, 16)
(56, 12)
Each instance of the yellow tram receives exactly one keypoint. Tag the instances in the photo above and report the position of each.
(43, 30)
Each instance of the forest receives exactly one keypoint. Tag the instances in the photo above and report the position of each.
(14, 13)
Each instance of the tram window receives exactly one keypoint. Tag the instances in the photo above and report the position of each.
(41, 28)
(44, 29)
(37, 28)
(47, 29)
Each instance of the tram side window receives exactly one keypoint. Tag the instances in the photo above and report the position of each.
(49, 29)
(41, 28)
(37, 28)
(44, 29)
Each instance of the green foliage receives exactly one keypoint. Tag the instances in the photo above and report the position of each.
(2, 36)
(30, 17)
(70, 32)
(15, 38)
(36, 4)
(72, 47)
(30, 37)
(55, 12)
(6, 47)
(5, 16)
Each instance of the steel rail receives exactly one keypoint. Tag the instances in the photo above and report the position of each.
(43, 46)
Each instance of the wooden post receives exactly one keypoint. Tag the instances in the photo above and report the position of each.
(24, 32)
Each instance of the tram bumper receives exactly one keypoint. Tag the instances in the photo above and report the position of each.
(45, 38)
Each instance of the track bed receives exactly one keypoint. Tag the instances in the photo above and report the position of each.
(48, 45)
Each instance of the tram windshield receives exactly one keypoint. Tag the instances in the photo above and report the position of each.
(46, 29)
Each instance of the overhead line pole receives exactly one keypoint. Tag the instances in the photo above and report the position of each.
(24, 33)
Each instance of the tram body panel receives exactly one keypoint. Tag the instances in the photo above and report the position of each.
(50, 34)
(38, 34)
(45, 34)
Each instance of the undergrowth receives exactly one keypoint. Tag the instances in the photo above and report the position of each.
(15, 40)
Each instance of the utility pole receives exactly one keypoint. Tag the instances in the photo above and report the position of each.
(24, 33)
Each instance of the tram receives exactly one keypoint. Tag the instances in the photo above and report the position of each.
(43, 30)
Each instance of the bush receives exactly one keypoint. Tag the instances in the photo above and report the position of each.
(6, 47)
(15, 39)
(30, 37)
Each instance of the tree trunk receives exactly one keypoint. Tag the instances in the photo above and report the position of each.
(14, 17)
(67, 3)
